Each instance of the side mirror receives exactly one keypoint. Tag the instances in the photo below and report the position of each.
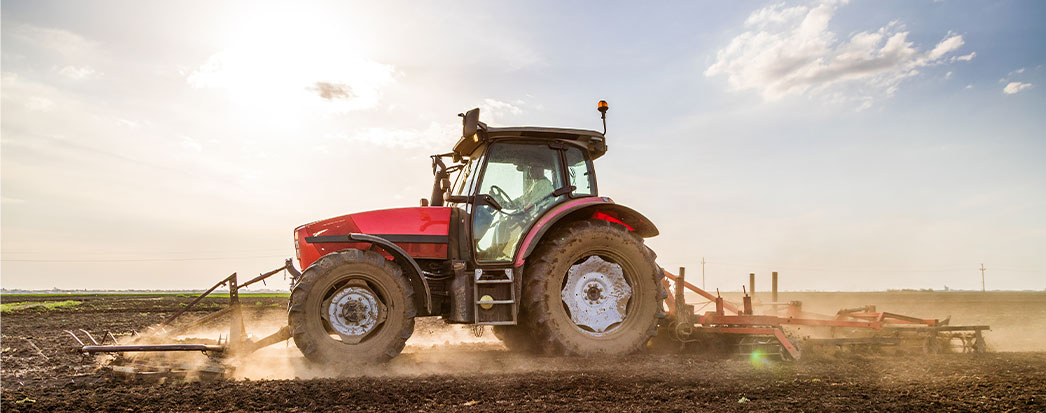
(470, 123)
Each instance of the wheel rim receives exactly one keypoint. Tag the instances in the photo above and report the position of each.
(596, 294)
(352, 311)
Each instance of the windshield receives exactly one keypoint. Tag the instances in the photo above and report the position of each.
(464, 178)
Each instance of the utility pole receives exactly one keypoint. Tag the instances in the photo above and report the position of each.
(702, 273)
(982, 277)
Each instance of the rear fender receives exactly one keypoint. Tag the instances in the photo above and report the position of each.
(422, 293)
(584, 208)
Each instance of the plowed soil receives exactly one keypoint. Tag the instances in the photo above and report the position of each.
(40, 373)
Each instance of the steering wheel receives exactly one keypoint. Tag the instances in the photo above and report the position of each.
(500, 196)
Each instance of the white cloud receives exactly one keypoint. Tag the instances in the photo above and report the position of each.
(792, 51)
(775, 14)
(38, 103)
(190, 143)
(495, 112)
(948, 75)
(1014, 87)
(75, 72)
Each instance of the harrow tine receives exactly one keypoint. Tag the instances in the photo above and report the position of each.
(110, 335)
(76, 338)
(38, 351)
(89, 336)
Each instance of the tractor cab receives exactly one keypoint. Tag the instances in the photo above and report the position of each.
(505, 179)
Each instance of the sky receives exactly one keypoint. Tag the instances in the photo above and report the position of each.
(862, 145)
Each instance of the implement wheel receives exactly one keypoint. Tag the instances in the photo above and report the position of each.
(351, 307)
(592, 287)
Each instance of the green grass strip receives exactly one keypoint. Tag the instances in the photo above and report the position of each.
(38, 305)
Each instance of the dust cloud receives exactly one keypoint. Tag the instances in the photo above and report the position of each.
(1017, 320)
(434, 348)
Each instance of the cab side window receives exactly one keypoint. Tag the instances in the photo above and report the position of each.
(579, 171)
(522, 178)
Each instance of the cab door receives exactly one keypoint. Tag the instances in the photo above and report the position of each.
(521, 181)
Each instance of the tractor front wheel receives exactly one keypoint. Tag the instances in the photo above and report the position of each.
(351, 307)
(592, 287)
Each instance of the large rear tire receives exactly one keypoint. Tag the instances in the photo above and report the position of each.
(351, 307)
(592, 287)
(517, 338)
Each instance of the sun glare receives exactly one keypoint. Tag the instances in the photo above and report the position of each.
(293, 62)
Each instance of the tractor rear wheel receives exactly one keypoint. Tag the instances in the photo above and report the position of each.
(351, 307)
(592, 287)
(517, 338)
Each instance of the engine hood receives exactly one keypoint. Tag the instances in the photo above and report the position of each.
(421, 231)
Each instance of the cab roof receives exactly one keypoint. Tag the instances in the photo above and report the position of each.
(594, 141)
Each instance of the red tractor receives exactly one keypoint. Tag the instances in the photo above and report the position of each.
(515, 236)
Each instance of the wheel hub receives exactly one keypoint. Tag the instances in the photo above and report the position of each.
(354, 312)
(596, 294)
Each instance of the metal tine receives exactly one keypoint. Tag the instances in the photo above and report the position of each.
(110, 335)
(89, 336)
(135, 333)
(75, 338)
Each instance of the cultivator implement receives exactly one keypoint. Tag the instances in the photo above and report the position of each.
(236, 344)
(765, 334)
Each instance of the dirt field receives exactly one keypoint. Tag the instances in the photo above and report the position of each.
(449, 369)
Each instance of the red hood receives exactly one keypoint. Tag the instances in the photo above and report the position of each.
(388, 223)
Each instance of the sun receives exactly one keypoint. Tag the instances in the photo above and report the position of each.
(293, 61)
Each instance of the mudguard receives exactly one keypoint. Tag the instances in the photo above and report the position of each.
(588, 208)
(422, 296)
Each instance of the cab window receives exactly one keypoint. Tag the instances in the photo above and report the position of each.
(579, 172)
(522, 178)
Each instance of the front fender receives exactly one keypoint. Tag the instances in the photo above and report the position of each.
(422, 293)
(584, 208)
